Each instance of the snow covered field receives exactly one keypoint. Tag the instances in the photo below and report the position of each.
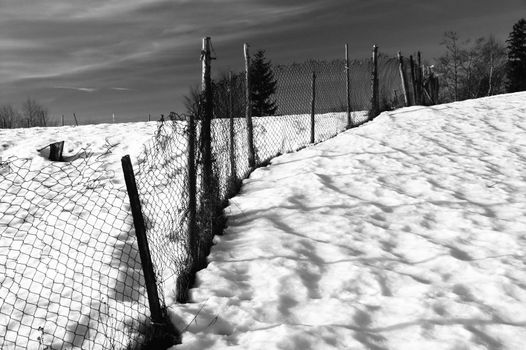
(406, 233)
(69, 270)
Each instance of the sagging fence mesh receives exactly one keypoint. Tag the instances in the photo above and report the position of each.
(69, 274)
(70, 270)
(161, 179)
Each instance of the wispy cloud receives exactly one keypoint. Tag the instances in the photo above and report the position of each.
(150, 48)
(82, 89)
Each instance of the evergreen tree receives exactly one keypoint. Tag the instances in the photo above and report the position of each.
(262, 86)
(516, 70)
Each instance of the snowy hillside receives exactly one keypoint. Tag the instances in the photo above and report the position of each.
(122, 138)
(70, 274)
(406, 233)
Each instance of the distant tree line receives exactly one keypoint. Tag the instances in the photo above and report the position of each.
(482, 67)
(31, 113)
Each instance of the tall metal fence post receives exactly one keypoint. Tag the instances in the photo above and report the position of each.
(313, 109)
(403, 77)
(413, 79)
(375, 100)
(142, 241)
(348, 87)
(248, 110)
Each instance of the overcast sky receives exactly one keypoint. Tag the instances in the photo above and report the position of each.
(135, 57)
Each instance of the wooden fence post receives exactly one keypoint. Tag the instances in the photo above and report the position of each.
(187, 277)
(375, 101)
(248, 110)
(413, 79)
(142, 241)
(403, 78)
(206, 118)
(348, 87)
(55, 151)
(232, 149)
(419, 78)
(313, 109)
(207, 198)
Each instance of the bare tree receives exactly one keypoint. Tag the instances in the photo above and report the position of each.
(9, 117)
(471, 69)
(492, 55)
(34, 113)
(451, 62)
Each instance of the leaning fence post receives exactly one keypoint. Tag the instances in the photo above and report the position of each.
(313, 108)
(348, 87)
(375, 101)
(403, 78)
(248, 110)
(142, 241)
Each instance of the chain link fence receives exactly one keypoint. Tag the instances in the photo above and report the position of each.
(69, 274)
(162, 184)
(70, 268)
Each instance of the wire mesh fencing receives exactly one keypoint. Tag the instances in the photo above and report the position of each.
(161, 180)
(70, 268)
(69, 273)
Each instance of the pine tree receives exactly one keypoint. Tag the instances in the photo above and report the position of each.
(516, 70)
(262, 86)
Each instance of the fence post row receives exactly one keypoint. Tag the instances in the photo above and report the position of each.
(375, 101)
(248, 110)
(142, 241)
(313, 109)
(403, 78)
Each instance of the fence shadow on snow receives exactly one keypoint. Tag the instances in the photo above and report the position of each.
(70, 266)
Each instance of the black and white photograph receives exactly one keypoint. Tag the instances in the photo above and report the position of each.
(262, 174)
